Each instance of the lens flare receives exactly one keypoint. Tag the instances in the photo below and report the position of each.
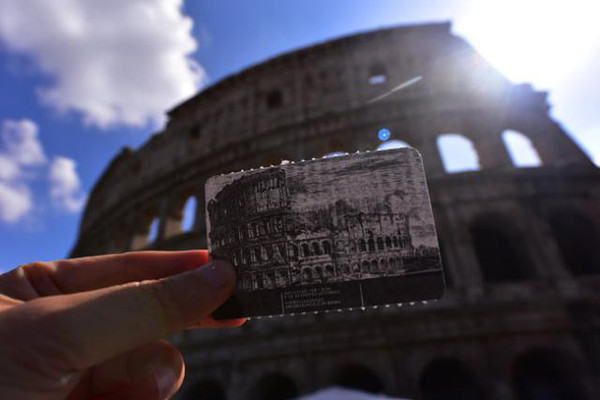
(384, 134)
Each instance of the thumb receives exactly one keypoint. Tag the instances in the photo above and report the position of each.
(151, 371)
(80, 330)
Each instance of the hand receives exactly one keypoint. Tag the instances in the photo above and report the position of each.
(90, 328)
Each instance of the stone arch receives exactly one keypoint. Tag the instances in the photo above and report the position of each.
(335, 154)
(307, 274)
(205, 389)
(345, 269)
(329, 270)
(458, 153)
(374, 266)
(326, 247)
(577, 239)
(383, 265)
(365, 266)
(379, 243)
(319, 272)
(449, 378)
(498, 244)
(388, 242)
(359, 377)
(274, 99)
(147, 228)
(392, 264)
(305, 250)
(275, 386)
(392, 144)
(547, 374)
(188, 217)
(316, 248)
(377, 74)
(118, 239)
(362, 245)
(521, 149)
(371, 245)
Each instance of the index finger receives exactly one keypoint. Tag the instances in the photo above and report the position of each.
(89, 273)
(79, 330)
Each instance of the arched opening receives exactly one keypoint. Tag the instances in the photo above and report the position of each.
(274, 99)
(458, 153)
(543, 374)
(206, 389)
(305, 250)
(388, 242)
(319, 272)
(383, 265)
(307, 274)
(335, 154)
(365, 266)
(359, 377)
(275, 386)
(392, 144)
(371, 245)
(377, 74)
(326, 247)
(329, 271)
(153, 231)
(449, 378)
(374, 267)
(362, 245)
(578, 240)
(379, 243)
(189, 214)
(316, 249)
(521, 150)
(499, 249)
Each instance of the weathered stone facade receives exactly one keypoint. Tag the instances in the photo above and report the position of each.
(521, 245)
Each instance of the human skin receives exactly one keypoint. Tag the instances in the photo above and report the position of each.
(91, 328)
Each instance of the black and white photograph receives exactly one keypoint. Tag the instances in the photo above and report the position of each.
(334, 233)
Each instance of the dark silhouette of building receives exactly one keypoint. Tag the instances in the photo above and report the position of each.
(520, 317)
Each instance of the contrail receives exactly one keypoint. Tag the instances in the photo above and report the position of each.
(401, 86)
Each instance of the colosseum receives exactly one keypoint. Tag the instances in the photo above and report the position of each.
(520, 317)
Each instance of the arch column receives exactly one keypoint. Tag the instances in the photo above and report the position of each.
(552, 143)
(170, 220)
(431, 156)
(491, 151)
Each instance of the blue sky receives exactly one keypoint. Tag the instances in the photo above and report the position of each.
(80, 80)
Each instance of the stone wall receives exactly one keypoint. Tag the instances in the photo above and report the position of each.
(520, 245)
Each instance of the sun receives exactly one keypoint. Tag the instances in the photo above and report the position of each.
(532, 40)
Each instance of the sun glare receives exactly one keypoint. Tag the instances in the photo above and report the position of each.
(539, 41)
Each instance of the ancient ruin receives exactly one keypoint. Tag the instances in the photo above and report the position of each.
(520, 318)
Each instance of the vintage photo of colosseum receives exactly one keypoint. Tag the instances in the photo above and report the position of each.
(333, 233)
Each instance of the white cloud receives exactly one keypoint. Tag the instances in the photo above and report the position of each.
(65, 186)
(20, 139)
(113, 61)
(9, 169)
(15, 201)
(22, 160)
(20, 150)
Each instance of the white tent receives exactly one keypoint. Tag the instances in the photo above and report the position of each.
(338, 393)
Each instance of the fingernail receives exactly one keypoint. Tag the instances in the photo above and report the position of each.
(217, 273)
